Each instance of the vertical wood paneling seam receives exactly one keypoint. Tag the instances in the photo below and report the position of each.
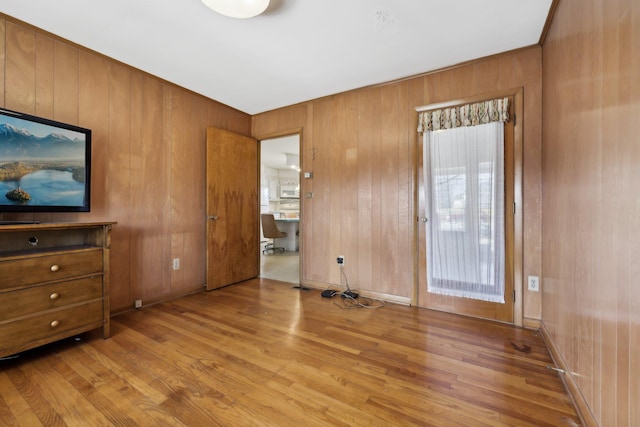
(53, 81)
(132, 289)
(18, 28)
(77, 84)
(3, 62)
(167, 141)
(129, 186)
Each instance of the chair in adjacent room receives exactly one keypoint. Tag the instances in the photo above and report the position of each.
(270, 231)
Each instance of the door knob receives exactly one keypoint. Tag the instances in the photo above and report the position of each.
(423, 219)
(213, 217)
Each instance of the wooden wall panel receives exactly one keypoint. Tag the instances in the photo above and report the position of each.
(407, 140)
(20, 69)
(194, 259)
(377, 201)
(288, 118)
(591, 153)
(344, 185)
(532, 190)
(332, 186)
(151, 193)
(179, 177)
(187, 189)
(320, 227)
(118, 187)
(3, 59)
(92, 107)
(368, 105)
(366, 166)
(148, 154)
(44, 75)
(141, 215)
(66, 83)
(390, 188)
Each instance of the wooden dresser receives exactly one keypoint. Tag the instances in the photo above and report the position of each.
(54, 282)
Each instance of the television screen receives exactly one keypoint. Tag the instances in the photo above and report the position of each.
(44, 165)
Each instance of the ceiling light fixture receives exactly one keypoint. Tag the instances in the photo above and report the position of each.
(240, 9)
(292, 160)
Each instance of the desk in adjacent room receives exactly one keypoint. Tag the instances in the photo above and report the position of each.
(289, 226)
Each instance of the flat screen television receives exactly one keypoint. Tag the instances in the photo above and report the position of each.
(45, 166)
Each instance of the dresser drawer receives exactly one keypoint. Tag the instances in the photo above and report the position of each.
(19, 272)
(40, 298)
(20, 332)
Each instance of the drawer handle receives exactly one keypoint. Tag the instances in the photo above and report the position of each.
(54, 324)
(54, 268)
(54, 296)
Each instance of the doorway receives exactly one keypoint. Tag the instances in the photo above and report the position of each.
(280, 196)
(461, 215)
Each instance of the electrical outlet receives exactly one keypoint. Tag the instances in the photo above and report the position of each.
(137, 303)
(534, 283)
(176, 263)
(340, 260)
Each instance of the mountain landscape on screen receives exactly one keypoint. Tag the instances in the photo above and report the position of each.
(19, 144)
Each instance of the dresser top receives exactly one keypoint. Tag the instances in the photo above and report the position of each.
(9, 226)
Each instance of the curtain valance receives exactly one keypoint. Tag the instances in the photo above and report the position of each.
(495, 110)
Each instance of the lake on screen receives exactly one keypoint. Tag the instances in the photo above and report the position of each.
(48, 187)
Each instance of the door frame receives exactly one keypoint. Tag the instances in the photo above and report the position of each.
(518, 136)
(279, 134)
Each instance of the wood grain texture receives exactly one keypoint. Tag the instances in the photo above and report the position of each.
(591, 153)
(233, 230)
(150, 193)
(319, 255)
(56, 290)
(261, 353)
(20, 71)
(148, 154)
(44, 75)
(3, 56)
(93, 109)
(378, 185)
(118, 186)
(66, 82)
(187, 189)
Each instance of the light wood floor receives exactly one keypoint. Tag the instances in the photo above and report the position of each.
(263, 354)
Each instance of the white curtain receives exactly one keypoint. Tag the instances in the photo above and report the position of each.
(464, 186)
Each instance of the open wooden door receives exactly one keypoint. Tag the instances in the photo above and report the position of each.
(233, 234)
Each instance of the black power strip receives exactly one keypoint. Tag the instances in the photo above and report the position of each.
(328, 293)
(349, 294)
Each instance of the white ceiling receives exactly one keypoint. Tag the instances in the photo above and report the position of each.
(297, 50)
(273, 152)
